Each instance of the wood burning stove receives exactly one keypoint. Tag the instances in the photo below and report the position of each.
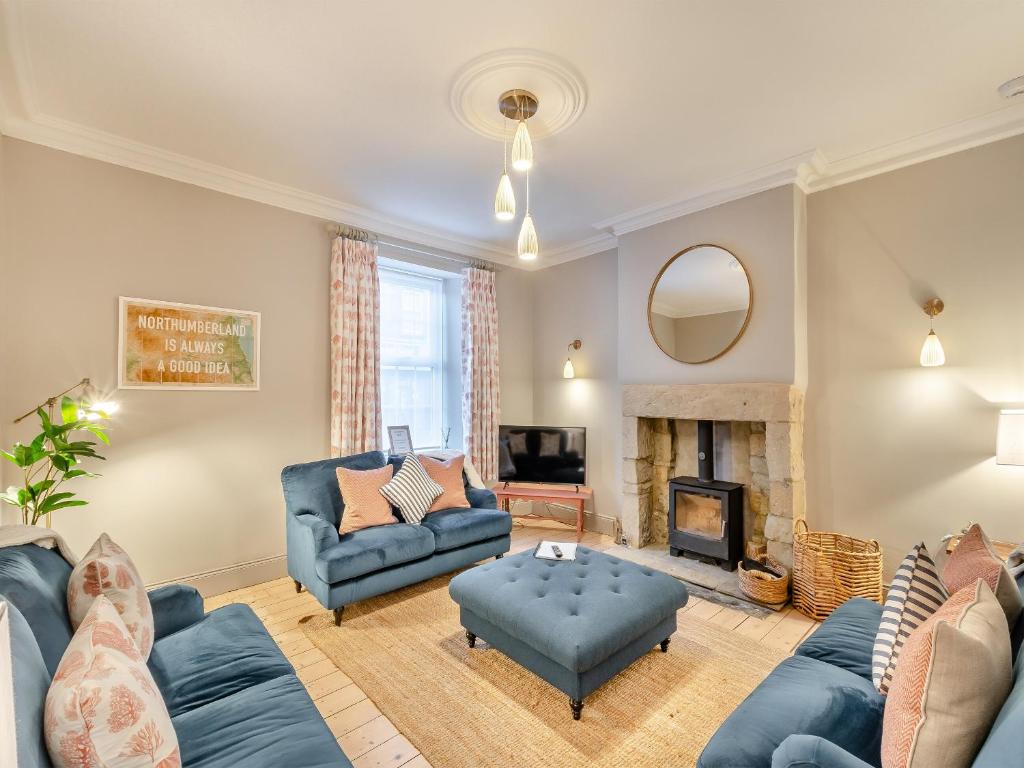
(705, 516)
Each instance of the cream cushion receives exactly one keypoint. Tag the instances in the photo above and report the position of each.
(975, 558)
(107, 570)
(953, 676)
(103, 707)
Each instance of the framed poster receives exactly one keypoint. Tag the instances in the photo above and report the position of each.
(400, 439)
(164, 345)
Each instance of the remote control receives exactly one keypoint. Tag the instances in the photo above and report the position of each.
(556, 550)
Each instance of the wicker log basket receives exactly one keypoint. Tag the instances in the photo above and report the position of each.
(830, 568)
(764, 587)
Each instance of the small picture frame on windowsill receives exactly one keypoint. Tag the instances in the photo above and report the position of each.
(400, 440)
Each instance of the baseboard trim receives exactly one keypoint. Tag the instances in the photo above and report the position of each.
(238, 576)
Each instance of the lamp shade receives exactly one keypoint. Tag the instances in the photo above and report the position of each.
(932, 353)
(528, 247)
(1010, 438)
(568, 372)
(505, 200)
(522, 148)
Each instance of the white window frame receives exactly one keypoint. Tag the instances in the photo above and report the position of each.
(437, 364)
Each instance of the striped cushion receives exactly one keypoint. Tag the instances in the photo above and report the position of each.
(916, 593)
(412, 490)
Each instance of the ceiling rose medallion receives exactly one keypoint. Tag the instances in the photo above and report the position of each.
(520, 79)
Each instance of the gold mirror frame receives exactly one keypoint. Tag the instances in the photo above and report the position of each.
(746, 320)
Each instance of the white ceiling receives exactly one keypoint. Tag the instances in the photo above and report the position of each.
(701, 281)
(342, 108)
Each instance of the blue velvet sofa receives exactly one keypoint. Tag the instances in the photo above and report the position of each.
(819, 708)
(233, 697)
(339, 570)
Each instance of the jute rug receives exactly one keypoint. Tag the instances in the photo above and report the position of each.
(466, 708)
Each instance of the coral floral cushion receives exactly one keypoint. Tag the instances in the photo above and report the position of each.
(447, 474)
(951, 681)
(365, 506)
(974, 558)
(107, 570)
(103, 708)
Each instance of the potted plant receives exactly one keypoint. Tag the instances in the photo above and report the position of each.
(53, 458)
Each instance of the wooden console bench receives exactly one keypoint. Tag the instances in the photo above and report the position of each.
(570, 495)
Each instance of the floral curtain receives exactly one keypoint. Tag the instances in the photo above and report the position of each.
(355, 347)
(481, 403)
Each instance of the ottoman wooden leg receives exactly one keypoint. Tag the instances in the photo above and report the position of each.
(471, 639)
(498, 557)
(664, 645)
(577, 707)
(298, 585)
(337, 615)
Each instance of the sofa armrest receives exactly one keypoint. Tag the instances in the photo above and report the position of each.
(314, 533)
(481, 498)
(803, 751)
(175, 607)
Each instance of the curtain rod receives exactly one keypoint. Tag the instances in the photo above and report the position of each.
(342, 230)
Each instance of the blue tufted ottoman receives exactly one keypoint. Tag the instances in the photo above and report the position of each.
(575, 624)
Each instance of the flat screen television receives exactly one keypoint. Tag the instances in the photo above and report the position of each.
(542, 454)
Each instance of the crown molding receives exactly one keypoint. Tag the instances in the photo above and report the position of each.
(966, 134)
(100, 145)
(798, 169)
(575, 250)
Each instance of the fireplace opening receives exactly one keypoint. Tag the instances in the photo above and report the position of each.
(705, 516)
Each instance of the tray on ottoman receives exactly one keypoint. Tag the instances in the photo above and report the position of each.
(574, 624)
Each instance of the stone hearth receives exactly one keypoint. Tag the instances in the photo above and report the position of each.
(762, 447)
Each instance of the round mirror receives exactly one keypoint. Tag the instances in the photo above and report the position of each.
(699, 304)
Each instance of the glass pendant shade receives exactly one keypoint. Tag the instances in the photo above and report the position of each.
(932, 353)
(568, 372)
(505, 200)
(522, 148)
(528, 247)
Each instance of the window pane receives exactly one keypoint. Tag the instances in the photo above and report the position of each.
(411, 349)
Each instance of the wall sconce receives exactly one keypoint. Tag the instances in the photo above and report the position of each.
(1010, 438)
(568, 372)
(932, 353)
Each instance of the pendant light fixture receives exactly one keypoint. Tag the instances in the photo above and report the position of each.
(932, 354)
(527, 245)
(518, 105)
(504, 198)
(522, 148)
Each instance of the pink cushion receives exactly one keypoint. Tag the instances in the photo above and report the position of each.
(974, 558)
(103, 707)
(107, 570)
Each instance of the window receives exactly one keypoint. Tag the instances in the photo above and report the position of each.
(412, 354)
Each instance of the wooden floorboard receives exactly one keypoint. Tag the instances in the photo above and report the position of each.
(371, 740)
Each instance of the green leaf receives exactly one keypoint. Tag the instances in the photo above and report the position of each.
(10, 496)
(23, 497)
(10, 457)
(71, 474)
(98, 432)
(63, 505)
(61, 462)
(50, 502)
(68, 410)
(37, 488)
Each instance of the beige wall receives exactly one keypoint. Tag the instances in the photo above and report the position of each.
(702, 336)
(191, 483)
(516, 327)
(896, 451)
(578, 300)
(762, 231)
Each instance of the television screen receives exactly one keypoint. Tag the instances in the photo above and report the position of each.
(542, 454)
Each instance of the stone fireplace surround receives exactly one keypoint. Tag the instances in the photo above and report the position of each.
(656, 441)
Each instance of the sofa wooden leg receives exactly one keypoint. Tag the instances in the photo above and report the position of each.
(577, 708)
(664, 645)
(471, 639)
(298, 586)
(337, 615)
